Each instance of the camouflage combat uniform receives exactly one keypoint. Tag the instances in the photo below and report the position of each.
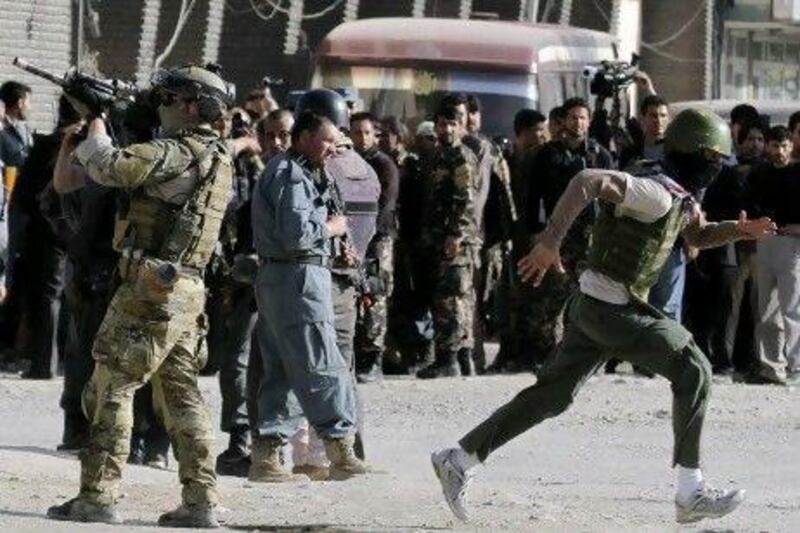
(452, 214)
(155, 326)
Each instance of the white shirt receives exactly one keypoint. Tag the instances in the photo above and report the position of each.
(646, 200)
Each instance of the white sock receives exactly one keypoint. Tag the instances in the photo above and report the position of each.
(690, 480)
(468, 461)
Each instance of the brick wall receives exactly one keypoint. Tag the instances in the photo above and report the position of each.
(40, 33)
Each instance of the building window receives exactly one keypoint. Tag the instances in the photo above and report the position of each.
(757, 51)
(741, 47)
(776, 52)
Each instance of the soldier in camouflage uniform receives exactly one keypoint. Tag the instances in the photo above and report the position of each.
(498, 216)
(155, 326)
(451, 236)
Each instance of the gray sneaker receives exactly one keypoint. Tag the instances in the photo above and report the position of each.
(454, 479)
(708, 503)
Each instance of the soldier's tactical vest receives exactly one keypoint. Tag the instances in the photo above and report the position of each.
(359, 189)
(183, 231)
(632, 252)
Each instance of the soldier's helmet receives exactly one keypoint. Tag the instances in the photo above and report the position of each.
(326, 103)
(203, 84)
(695, 130)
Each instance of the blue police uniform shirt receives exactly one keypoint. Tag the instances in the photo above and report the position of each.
(288, 213)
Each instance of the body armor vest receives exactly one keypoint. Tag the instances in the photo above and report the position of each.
(632, 252)
(181, 230)
(359, 189)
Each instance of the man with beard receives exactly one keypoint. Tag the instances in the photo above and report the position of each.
(639, 220)
(451, 236)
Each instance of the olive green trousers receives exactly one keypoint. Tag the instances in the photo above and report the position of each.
(595, 332)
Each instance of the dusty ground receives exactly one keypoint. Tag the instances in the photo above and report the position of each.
(604, 466)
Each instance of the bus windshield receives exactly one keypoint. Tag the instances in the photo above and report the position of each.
(412, 94)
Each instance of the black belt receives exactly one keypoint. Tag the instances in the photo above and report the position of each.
(316, 260)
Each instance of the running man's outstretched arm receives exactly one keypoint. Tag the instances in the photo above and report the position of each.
(587, 186)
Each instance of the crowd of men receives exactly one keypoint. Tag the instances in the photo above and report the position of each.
(334, 245)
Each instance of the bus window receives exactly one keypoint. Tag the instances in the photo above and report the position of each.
(413, 94)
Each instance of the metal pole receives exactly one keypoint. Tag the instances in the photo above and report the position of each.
(80, 37)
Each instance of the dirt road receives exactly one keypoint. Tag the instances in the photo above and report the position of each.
(604, 466)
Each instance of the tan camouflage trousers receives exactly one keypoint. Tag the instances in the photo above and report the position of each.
(160, 339)
(372, 325)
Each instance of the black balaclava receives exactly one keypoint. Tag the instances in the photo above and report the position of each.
(694, 172)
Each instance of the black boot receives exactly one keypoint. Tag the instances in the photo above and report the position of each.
(445, 366)
(421, 358)
(76, 433)
(156, 451)
(136, 455)
(465, 362)
(371, 372)
(235, 461)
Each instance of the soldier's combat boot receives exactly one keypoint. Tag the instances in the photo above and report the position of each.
(76, 433)
(78, 510)
(235, 461)
(156, 449)
(137, 452)
(445, 366)
(466, 363)
(344, 463)
(194, 516)
(372, 372)
(267, 463)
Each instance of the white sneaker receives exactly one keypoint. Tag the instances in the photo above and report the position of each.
(455, 480)
(708, 502)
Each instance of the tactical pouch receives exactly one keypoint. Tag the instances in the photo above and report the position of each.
(155, 280)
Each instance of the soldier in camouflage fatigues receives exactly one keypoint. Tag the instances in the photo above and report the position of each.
(155, 326)
(450, 233)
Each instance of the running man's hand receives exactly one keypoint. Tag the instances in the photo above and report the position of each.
(755, 228)
(535, 265)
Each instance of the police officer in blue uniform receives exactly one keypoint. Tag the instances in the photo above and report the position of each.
(304, 371)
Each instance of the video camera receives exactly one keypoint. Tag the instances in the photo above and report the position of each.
(610, 77)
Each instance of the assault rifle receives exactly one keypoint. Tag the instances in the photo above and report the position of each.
(91, 97)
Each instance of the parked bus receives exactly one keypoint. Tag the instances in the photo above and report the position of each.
(402, 66)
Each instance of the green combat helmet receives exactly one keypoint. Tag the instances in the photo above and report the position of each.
(203, 84)
(693, 130)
